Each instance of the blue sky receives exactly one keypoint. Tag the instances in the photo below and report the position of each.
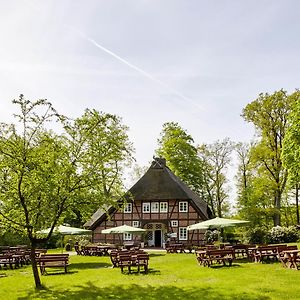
(197, 63)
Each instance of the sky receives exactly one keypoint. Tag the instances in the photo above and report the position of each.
(198, 63)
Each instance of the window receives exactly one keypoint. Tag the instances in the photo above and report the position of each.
(127, 236)
(135, 223)
(183, 206)
(163, 207)
(128, 208)
(182, 233)
(146, 207)
(154, 207)
(174, 223)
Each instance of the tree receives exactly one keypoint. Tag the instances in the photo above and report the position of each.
(291, 149)
(268, 113)
(43, 175)
(253, 187)
(176, 146)
(105, 152)
(216, 158)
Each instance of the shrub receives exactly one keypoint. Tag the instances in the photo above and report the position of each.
(280, 234)
(277, 235)
(211, 236)
(257, 235)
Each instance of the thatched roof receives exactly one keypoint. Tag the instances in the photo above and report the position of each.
(160, 183)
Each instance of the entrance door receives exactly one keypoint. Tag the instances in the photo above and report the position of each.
(157, 238)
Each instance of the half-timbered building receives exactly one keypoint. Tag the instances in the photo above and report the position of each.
(160, 203)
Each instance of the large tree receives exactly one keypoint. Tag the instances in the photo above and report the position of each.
(216, 158)
(291, 149)
(177, 147)
(253, 188)
(43, 175)
(269, 114)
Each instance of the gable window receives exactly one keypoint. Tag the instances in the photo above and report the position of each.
(163, 207)
(174, 223)
(154, 207)
(135, 223)
(146, 207)
(128, 208)
(183, 206)
(182, 233)
(127, 236)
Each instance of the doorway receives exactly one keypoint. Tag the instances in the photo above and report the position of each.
(157, 238)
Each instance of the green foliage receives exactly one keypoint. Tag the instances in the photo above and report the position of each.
(291, 145)
(280, 234)
(176, 146)
(269, 114)
(45, 176)
(211, 236)
(216, 158)
(257, 235)
(13, 238)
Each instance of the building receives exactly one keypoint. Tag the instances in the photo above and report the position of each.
(160, 203)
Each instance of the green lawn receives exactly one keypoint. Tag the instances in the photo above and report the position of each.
(171, 276)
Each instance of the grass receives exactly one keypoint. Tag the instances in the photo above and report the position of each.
(171, 276)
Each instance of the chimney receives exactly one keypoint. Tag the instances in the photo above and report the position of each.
(158, 162)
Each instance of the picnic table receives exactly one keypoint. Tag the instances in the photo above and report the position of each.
(215, 256)
(291, 259)
(267, 252)
(175, 248)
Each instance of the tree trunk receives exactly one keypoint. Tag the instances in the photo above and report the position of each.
(277, 206)
(297, 203)
(37, 280)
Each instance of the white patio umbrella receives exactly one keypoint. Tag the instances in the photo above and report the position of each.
(216, 223)
(66, 230)
(123, 229)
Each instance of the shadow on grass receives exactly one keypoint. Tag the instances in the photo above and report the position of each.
(221, 266)
(89, 265)
(119, 292)
(134, 271)
(156, 254)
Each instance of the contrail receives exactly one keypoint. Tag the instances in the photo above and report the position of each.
(146, 74)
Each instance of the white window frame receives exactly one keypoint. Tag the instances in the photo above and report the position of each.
(183, 206)
(135, 223)
(174, 223)
(163, 207)
(128, 208)
(183, 234)
(127, 236)
(146, 207)
(155, 207)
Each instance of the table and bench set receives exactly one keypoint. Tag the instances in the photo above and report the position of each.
(130, 260)
(289, 256)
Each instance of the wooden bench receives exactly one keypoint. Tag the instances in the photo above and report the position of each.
(138, 259)
(142, 260)
(53, 261)
(241, 250)
(266, 252)
(175, 248)
(286, 258)
(124, 261)
(218, 256)
(7, 260)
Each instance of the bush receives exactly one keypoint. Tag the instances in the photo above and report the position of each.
(12, 238)
(280, 234)
(257, 235)
(211, 236)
